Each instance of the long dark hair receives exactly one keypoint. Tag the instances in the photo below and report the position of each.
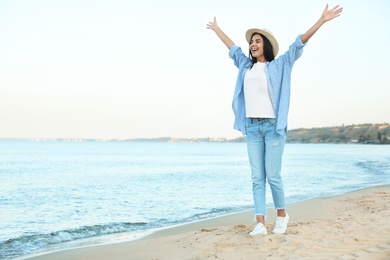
(268, 50)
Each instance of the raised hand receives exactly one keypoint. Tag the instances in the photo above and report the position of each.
(328, 15)
(225, 39)
(212, 25)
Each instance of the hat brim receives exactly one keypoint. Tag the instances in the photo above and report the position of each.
(266, 33)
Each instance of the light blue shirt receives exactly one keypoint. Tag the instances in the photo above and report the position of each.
(278, 74)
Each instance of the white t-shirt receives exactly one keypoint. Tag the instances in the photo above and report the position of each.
(257, 99)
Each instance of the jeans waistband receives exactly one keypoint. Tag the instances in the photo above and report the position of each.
(258, 119)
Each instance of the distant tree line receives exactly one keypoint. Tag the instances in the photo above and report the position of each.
(364, 133)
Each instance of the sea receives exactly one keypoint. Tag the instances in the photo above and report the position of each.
(56, 195)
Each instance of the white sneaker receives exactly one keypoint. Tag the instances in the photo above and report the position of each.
(259, 229)
(281, 225)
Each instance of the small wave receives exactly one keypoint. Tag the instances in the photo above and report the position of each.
(375, 167)
(214, 212)
(26, 244)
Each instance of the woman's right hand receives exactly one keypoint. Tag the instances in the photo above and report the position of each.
(212, 25)
(225, 39)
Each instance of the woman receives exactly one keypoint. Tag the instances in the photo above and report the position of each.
(260, 105)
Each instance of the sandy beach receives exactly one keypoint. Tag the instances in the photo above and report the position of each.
(355, 225)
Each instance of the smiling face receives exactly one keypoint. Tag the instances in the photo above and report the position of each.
(256, 47)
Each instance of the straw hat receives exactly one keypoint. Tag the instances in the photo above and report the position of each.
(266, 33)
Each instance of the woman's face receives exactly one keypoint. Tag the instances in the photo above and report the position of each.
(256, 47)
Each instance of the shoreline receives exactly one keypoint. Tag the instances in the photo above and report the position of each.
(227, 236)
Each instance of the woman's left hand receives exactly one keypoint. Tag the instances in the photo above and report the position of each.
(328, 15)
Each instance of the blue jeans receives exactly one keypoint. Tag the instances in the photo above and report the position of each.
(265, 150)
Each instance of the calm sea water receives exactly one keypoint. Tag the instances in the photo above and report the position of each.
(56, 192)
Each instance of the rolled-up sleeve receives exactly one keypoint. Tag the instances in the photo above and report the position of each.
(295, 50)
(237, 55)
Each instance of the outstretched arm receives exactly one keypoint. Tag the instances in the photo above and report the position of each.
(327, 15)
(224, 38)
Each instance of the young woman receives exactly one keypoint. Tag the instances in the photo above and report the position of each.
(260, 105)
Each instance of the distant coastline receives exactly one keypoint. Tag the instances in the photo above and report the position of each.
(362, 133)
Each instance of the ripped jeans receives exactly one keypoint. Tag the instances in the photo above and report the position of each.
(265, 150)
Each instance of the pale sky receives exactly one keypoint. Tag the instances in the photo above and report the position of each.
(130, 69)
